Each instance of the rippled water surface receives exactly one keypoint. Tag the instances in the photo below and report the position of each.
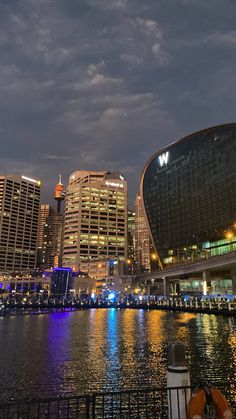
(102, 349)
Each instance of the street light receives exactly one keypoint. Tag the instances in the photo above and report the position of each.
(154, 256)
(154, 261)
(229, 235)
(130, 265)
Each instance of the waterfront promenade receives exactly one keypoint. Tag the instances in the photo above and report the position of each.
(132, 404)
(191, 305)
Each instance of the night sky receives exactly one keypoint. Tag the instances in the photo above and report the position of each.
(103, 84)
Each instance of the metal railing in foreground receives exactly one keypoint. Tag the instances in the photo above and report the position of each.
(132, 404)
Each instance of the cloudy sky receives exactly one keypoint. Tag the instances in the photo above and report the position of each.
(103, 84)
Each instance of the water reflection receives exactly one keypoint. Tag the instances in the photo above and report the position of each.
(102, 349)
(97, 362)
(157, 349)
(58, 349)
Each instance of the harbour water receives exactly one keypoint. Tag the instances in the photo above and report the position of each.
(109, 349)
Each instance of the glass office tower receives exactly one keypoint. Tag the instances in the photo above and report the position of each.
(189, 195)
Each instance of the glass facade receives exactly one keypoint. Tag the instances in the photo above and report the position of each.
(62, 281)
(189, 195)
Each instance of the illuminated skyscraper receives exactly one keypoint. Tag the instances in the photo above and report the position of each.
(95, 218)
(49, 253)
(142, 238)
(19, 214)
(131, 242)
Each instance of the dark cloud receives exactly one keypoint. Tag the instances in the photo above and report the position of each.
(102, 84)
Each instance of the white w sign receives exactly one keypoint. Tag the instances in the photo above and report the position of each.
(163, 159)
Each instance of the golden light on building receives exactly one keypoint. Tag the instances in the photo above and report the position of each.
(229, 235)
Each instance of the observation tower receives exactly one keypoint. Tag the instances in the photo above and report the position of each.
(59, 194)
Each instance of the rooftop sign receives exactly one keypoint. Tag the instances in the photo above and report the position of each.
(116, 184)
(38, 182)
(163, 158)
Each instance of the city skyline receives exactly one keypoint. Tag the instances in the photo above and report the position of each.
(117, 209)
(101, 85)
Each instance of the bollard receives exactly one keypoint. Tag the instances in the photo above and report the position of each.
(177, 377)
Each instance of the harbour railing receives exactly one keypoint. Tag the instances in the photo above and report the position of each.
(129, 404)
(192, 305)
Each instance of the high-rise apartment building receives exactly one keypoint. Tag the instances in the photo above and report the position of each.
(131, 235)
(49, 254)
(19, 214)
(142, 238)
(95, 218)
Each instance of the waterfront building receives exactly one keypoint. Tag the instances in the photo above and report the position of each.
(189, 194)
(142, 238)
(49, 252)
(65, 281)
(61, 281)
(24, 283)
(83, 285)
(57, 239)
(19, 215)
(95, 218)
(44, 237)
(103, 268)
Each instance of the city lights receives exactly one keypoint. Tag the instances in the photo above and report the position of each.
(111, 296)
(117, 209)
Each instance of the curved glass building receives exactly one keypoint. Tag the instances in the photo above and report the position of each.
(189, 195)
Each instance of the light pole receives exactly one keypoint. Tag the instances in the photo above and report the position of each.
(154, 261)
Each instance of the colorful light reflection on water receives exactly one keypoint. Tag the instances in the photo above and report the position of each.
(97, 350)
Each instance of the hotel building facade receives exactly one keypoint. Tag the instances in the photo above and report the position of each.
(95, 218)
(189, 195)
